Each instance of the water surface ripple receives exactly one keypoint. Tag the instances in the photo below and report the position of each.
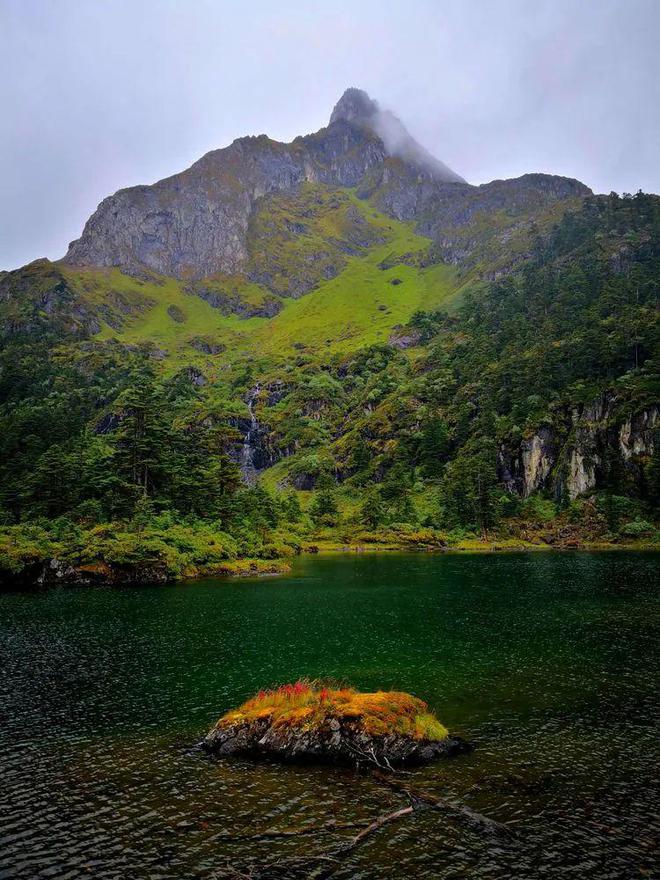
(546, 661)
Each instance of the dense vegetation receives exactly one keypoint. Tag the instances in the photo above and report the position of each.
(578, 317)
(110, 454)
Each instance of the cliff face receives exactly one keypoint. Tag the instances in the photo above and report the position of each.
(195, 224)
(581, 449)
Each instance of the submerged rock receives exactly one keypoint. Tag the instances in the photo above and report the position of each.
(306, 722)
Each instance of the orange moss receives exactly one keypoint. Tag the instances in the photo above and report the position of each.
(307, 705)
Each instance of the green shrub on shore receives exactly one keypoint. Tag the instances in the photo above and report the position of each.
(177, 550)
(24, 546)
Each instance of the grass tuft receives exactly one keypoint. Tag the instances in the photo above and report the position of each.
(308, 705)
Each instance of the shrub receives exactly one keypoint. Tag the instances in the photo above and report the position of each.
(638, 528)
(537, 508)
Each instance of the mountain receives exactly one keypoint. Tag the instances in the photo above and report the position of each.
(183, 264)
(196, 224)
(329, 341)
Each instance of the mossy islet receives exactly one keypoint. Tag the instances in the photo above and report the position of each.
(312, 722)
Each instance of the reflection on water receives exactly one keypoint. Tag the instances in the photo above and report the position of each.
(545, 661)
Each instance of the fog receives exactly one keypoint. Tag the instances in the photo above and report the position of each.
(96, 95)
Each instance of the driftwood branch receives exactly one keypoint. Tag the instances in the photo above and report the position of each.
(317, 867)
(454, 809)
(326, 864)
(371, 759)
(272, 833)
(375, 826)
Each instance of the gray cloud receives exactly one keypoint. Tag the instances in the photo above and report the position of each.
(96, 95)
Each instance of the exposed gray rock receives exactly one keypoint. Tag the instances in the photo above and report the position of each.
(207, 346)
(449, 213)
(335, 741)
(276, 391)
(195, 377)
(55, 571)
(195, 224)
(636, 434)
(357, 108)
(574, 455)
(538, 454)
(231, 303)
(405, 337)
(176, 314)
(253, 450)
(108, 423)
(44, 298)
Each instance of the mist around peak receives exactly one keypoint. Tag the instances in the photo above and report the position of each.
(358, 108)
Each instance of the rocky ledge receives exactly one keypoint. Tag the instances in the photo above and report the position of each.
(51, 572)
(310, 722)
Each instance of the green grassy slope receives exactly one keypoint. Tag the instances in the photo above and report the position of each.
(380, 284)
(110, 448)
(360, 306)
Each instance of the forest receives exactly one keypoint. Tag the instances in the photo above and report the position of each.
(107, 460)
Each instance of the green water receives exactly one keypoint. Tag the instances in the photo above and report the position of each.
(547, 662)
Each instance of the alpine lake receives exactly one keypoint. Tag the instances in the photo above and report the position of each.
(546, 662)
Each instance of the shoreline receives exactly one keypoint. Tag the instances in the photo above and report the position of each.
(478, 546)
(52, 572)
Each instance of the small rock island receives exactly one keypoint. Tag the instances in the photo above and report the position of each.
(308, 721)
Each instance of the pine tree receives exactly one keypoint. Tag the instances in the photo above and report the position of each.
(372, 512)
(323, 509)
(434, 447)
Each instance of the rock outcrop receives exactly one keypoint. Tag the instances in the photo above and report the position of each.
(195, 224)
(580, 449)
(39, 297)
(333, 741)
(311, 722)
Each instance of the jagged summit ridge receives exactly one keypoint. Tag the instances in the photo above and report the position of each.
(195, 224)
(355, 105)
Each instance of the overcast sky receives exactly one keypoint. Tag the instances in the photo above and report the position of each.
(96, 95)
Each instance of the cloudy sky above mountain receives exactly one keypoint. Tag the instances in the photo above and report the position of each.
(96, 95)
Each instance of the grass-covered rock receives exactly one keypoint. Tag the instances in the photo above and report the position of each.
(309, 721)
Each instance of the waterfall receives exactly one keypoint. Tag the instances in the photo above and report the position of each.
(248, 469)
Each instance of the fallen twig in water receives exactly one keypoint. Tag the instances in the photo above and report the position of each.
(375, 826)
(455, 809)
(324, 865)
(272, 833)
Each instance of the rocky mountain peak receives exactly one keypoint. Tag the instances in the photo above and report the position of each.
(357, 108)
(355, 105)
(195, 224)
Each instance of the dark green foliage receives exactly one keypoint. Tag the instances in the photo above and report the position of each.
(373, 512)
(434, 446)
(324, 510)
(470, 487)
(578, 316)
(291, 509)
(94, 432)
